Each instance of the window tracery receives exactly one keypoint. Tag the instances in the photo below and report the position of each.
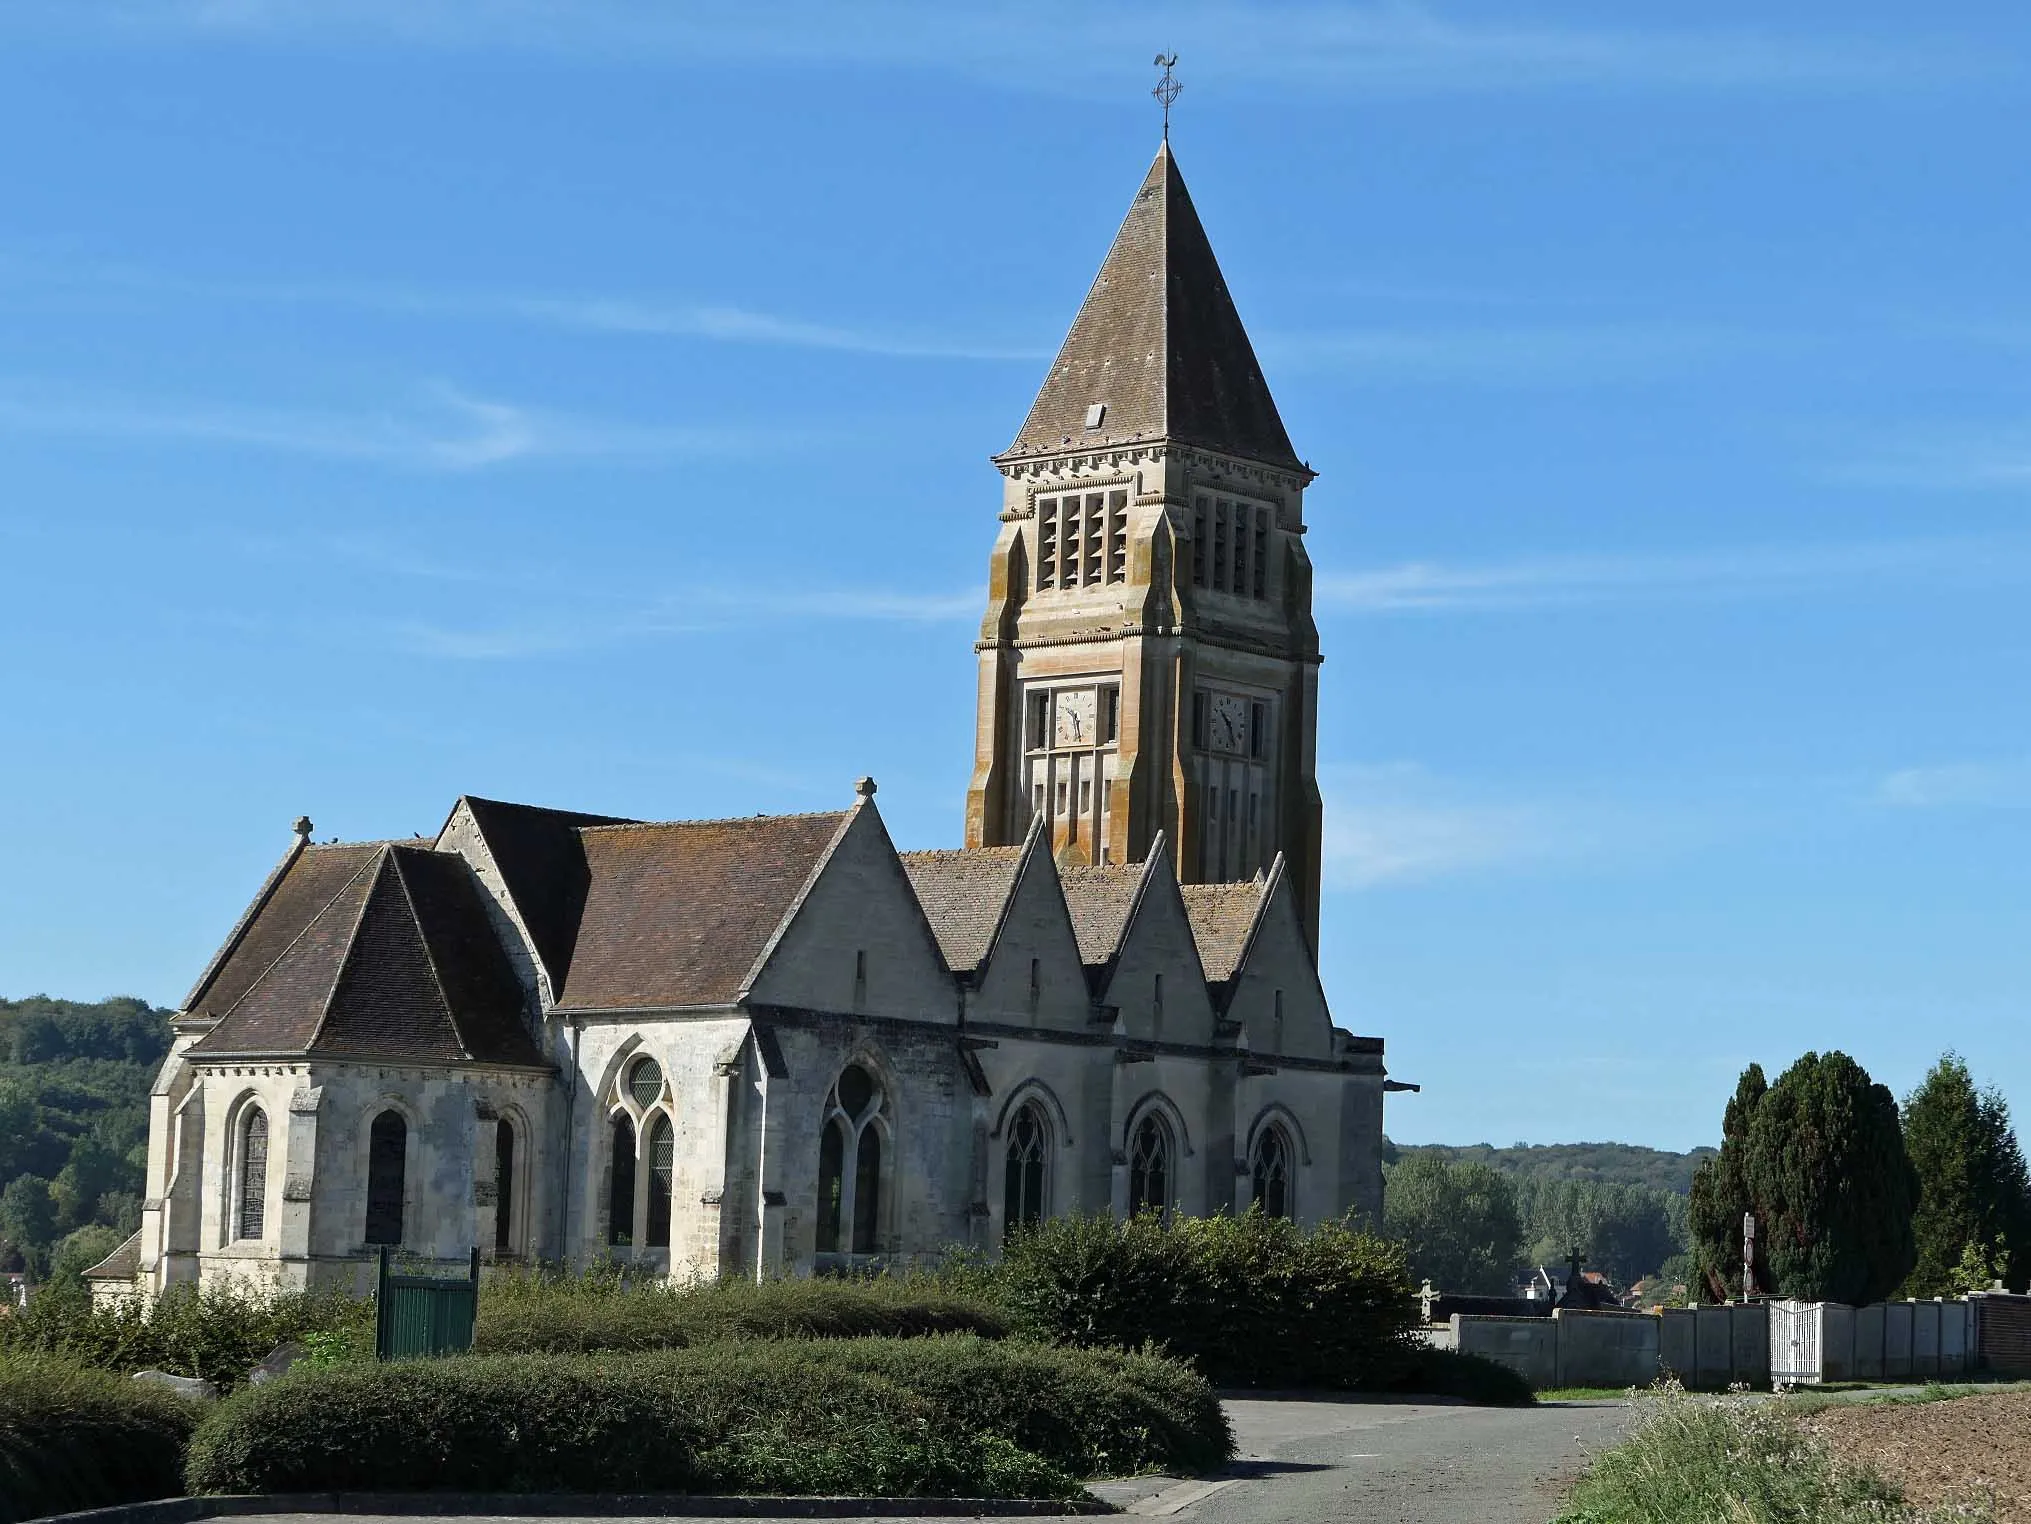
(1149, 1167)
(252, 1218)
(1270, 1171)
(1025, 1175)
(850, 1165)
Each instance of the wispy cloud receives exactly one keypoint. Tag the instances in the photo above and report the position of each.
(439, 428)
(1395, 823)
(1426, 587)
(1395, 47)
(1958, 785)
(592, 625)
(1509, 356)
(1962, 459)
(641, 316)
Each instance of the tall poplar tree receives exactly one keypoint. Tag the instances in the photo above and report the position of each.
(1972, 1183)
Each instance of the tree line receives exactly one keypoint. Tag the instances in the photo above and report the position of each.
(1854, 1197)
(74, 1081)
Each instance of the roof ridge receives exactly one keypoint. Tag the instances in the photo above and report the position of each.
(657, 825)
(430, 956)
(380, 861)
(298, 845)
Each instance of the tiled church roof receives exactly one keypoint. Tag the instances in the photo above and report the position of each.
(1100, 899)
(1222, 916)
(398, 961)
(963, 893)
(1158, 342)
(677, 914)
(302, 887)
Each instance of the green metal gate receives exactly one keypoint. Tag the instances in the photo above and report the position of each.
(424, 1314)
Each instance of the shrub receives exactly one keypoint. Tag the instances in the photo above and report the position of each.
(1088, 1412)
(762, 1417)
(1698, 1459)
(1473, 1378)
(548, 1313)
(1252, 1300)
(218, 1334)
(74, 1438)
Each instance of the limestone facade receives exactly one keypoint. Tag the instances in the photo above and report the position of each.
(776, 1045)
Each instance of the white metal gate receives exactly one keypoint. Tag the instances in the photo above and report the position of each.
(1795, 1329)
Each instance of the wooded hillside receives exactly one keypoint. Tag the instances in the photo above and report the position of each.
(74, 1084)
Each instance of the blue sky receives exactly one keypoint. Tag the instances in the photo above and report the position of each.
(589, 404)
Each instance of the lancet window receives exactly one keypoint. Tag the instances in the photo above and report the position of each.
(1270, 1172)
(252, 1176)
(387, 1171)
(1027, 1171)
(1149, 1167)
(850, 1165)
(642, 1179)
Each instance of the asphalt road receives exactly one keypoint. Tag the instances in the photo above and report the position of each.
(1304, 1462)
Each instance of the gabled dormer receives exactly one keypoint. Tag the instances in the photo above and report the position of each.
(1001, 918)
(1259, 963)
(1141, 959)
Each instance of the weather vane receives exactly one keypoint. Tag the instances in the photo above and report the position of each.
(1167, 89)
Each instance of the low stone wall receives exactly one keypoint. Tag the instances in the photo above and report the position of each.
(1569, 1348)
(1712, 1348)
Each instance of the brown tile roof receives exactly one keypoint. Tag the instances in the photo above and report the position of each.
(401, 962)
(1100, 899)
(123, 1264)
(1222, 916)
(542, 863)
(304, 885)
(1159, 342)
(963, 893)
(677, 914)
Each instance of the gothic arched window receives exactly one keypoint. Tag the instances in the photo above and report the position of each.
(662, 1154)
(504, 1185)
(1271, 1172)
(1149, 1167)
(387, 1167)
(849, 1200)
(620, 1198)
(1023, 1183)
(253, 1176)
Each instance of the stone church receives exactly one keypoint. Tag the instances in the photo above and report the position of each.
(777, 1045)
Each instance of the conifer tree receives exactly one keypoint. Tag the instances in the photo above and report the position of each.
(1720, 1194)
(1819, 1158)
(1974, 1198)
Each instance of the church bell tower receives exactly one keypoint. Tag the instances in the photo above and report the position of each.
(1148, 663)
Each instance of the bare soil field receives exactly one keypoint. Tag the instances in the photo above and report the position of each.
(1941, 1452)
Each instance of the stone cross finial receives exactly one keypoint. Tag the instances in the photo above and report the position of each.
(864, 787)
(302, 828)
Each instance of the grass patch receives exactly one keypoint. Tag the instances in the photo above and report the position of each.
(73, 1438)
(1712, 1460)
(1582, 1393)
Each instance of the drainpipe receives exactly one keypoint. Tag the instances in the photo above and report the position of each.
(570, 1106)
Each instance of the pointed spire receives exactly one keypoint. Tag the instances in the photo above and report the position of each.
(1157, 350)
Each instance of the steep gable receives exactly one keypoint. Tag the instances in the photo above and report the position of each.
(539, 858)
(1034, 974)
(1154, 979)
(1277, 960)
(964, 894)
(857, 916)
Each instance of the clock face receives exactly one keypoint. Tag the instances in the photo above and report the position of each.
(1227, 726)
(1074, 718)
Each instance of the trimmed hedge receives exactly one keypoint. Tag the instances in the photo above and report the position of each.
(1472, 1378)
(74, 1438)
(219, 1334)
(1253, 1301)
(1088, 1412)
(561, 1314)
(752, 1418)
